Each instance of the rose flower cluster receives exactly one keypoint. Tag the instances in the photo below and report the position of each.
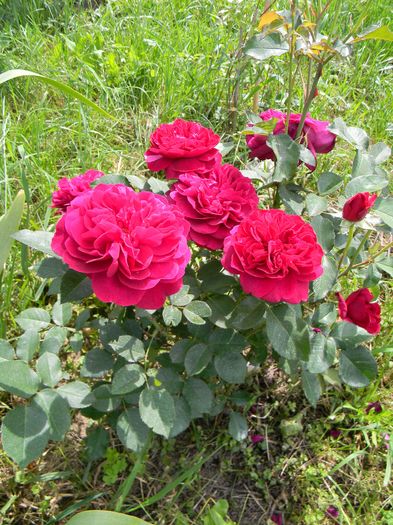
(134, 245)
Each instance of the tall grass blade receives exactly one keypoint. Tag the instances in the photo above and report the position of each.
(9, 224)
(17, 73)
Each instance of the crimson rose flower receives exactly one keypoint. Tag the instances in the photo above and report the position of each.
(133, 246)
(275, 254)
(214, 204)
(357, 207)
(181, 147)
(358, 309)
(71, 188)
(314, 135)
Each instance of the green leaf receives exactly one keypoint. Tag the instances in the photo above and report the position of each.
(104, 517)
(18, 378)
(51, 267)
(76, 393)
(38, 240)
(324, 284)
(97, 441)
(380, 152)
(6, 351)
(383, 207)
(97, 363)
(128, 347)
(61, 313)
(324, 229)
(171, 315)
(25, 433)
(227, 340)
(182, 297)
(67, 90)
(375, 33)
(103, 400)
(198, 395)
(74, 287)
(182, 417)
(368, 183)
(196, 310)
(231, 366)
(221, 307)
(357, 366)
(27, 345)
(197, 358)
(306, 156)
(315, 204)
(132, 431)
(33, 319)
(127, 379)
(287, 153)
(287, 333)
(213, 280)
(157, 410)
(364, 164)
(355, 136)
(262, 47)
(329, 182)
(49, 369)
(322, 354)
(292, 200)
(311, 386)
(158, 185)
(53, 340)
(386, 265)
(325, 315)
(56, 410)
(179, 350)
(9, 224)
(238, 427)
(348, 334)
(110, 179)
(248, 314)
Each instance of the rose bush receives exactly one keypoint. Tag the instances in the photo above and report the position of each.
(184, 326)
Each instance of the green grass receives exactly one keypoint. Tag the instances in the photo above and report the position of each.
(146, 62)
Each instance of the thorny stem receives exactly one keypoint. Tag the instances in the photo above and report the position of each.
(359, 248)
(372, 258)
(291, 76)
(348, 244)
(310, 96)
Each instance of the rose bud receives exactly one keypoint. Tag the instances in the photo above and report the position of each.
(358, 309)
(357, 207)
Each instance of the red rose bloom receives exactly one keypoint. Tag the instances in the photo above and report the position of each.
(71, 188)
(357, 207)
(214, 204)
(133, 246)
(314, 135)
(275, 254)
(182, 147)
(358, 309)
